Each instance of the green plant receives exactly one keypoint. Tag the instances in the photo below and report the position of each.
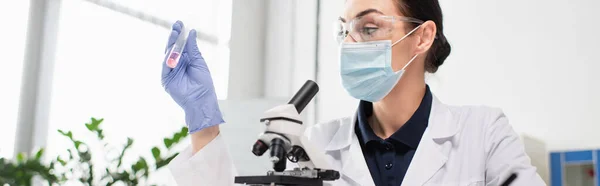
(80, 167)
(22, 171)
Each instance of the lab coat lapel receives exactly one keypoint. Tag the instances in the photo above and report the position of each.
(432, 154)
(354, 166)
(426, 162)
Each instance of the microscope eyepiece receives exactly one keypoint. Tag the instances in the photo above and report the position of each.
(304, 95)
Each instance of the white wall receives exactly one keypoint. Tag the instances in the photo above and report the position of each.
(532, 58)
(246, 66)
(15, 14)
(290, 52)
(536, 150)
(333, 100)
(535, 59)
(290, 46)
(242, 130)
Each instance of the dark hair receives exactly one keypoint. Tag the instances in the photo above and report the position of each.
(428, 10)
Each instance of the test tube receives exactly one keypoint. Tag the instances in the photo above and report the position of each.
(177, 49)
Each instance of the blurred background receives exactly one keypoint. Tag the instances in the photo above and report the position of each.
(70, 60)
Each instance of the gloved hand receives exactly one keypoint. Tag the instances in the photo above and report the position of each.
(191, 85)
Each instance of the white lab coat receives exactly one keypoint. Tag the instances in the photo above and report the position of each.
(462, 146)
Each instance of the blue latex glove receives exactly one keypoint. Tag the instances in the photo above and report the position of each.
(191, 85)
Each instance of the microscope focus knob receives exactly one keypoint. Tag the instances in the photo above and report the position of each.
(278, 153)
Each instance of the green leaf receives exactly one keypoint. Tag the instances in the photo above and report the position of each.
(168, 142)
(162, 163)
(144, 163)
(139, 165)
(129, 142)
(70, 154)
(135, 168)
(184, 131)
(90, 127)
(85, 156)
(94, 126)
(127, 146)
(100, 134)
(77, 144)
(21, 157)
(97, 121)
(67, 134)
(61, 161)
(39, 154)
(180, 135)
(156, 153)
(176, 137)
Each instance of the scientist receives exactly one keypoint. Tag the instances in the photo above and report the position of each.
(400, 134)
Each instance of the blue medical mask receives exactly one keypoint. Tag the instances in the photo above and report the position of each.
(366, 68)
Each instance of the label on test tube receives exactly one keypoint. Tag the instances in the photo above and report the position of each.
(177, 49)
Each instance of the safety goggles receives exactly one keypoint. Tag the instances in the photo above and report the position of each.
(370, 27)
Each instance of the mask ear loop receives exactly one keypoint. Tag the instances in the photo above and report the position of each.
(408, 34)
(415, 29)
(409, 62)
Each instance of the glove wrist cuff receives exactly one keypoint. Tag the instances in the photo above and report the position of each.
(198, 118)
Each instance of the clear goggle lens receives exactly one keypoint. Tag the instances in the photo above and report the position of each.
(370, 27)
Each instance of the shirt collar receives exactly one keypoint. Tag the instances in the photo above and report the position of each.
(409, 134)
(363, 129)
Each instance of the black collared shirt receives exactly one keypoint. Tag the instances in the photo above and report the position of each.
(388, 159)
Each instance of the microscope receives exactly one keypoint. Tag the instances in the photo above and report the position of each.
(284, 139)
